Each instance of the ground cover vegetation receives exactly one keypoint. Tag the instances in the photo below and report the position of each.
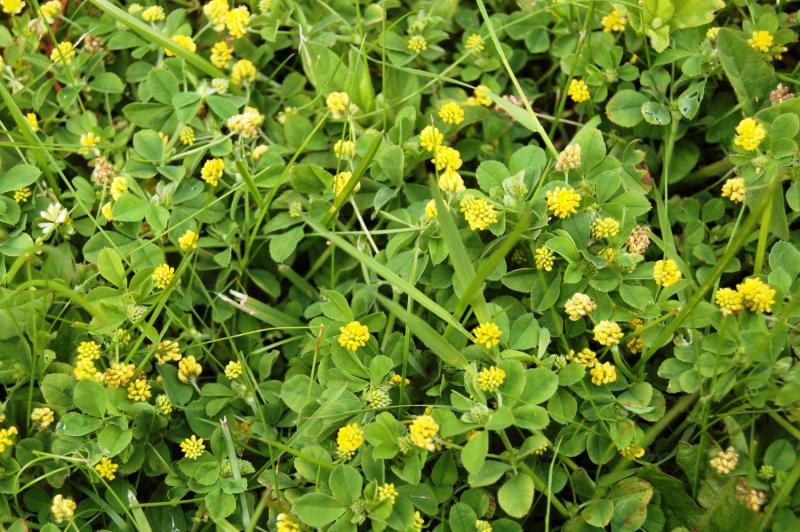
(399, 265)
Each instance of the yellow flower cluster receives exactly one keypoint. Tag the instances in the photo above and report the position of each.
(221, 54)
(63, 52)
(753, 499)
(163, 405)
(749, 134)
(63, 509)
(88, 142)
(119, 375)
(107, 469)
(212, 171)
(447, 158)
(430, 210)
(216, 10)
(487, 334)
(353, 336)
(729, 300)
(184, 41)
(475, 43)
(491, 378)
(42, 417)
(761, 40)
(163, 275)
(632, 451)
(186, 135)
(243, 71)
(286, 524)
(5, 437)
(480, 96)
(349, 439)
(603, 373)
(13, 7)
(578, 90)
(666, 272)
(139, 390)
(419, 522)
(119, 186)
(193, 447)
(247, 123)
(189, 369)
(236, 21)
(563, 201)
(431, 138)
(614, 22)
(85, 369)
(544, 258)
(188, 240)
(725, 461)
(153, 14)
(344, 149)
(233, 370)
(569, 158)
(388, 492)
(417, 44)
(340, 182)
(607, 333)
(338, 103)
(451, 113)
(734, 189)
(579, 305)
(757, 295)
(424, 430)
(478, 212)
(585, 357)
(605, 228)
(166, 351)
(21, 195)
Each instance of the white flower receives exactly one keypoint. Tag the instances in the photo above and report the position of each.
(55, 215)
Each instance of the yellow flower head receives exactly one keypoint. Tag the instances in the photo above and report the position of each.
(431, 211)
(163, 405)
(286, 524)
(481, 95)
(85, 370)
(33, 120)
(243, 71)
(578, 90)
(89, 350)
(186, 135)
(188, 240)
(349, 439)
(42, 417)
(712, 33)
(666, 272)
(446, 157)
(729, 300)
(353, 336)
(603, 373)
(50, 9)
(430, 138)
(106, 211)
(417, 44)
(212, 171)
(569, 158)
(63, 509)
(423, 432)
(119, 186)
(189, 369)
(167, 351)
(758, 296)
(491, 378)
(544, 258)
(216, 10)
(607, 333)
(139, 390)
(478, 212)
(419, 522)
(233, 370)
(259, 151)
(344, 149)
(387, 492)
(487, 334)
(579, 305)
(338, 103)
(5, 437)
(106, 468)
(236, 21)
(563, 202)
(585, 357)
(482, 525)
(725, 461)
(450, 181)
(192, 447)
(761, 41)
(451, 113)
(221, 54)
(749, 134)
(119, 375)
(163, 275)
(614, 21)
(734, 189)
(13, 7)
(340, 182)
(21, 195)
(153, 14)
(88, 141)
(475, 43)
(247, 123)
(184, 41)
(632, 451)
(605, 228)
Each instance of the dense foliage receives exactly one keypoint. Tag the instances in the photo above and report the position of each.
(399, 265)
